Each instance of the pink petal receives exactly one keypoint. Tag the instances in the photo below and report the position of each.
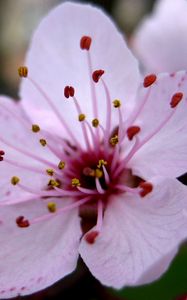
(35, 257)
(13, 130)
(160, 40)
(139, 237)
(166, 150)
(55, 60)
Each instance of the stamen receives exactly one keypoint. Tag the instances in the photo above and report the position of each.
(61, 165)
(98, 173)
(85, 42)
(35, 128)
(95, 122)
(176, 98)
(43, 142)
(132, 131)
(91, 236)
(98, 186)
(101, 163)
(23, 71)
(149, 80)
(69, 91)
(1, 155)
(146, 188)
(22, 222)
(117, 103)
(96, 75)
(75, 182)
(53, 183)
(82, 117)
(15, 180)
(51, 207)
(50, 172)
(114, 140)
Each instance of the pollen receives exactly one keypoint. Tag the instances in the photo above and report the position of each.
(101, 163)
(82, 117)
(149, 80)
(176, 98)
(51, 207)
(95, 122)
(85, 42)
(23, 71)
(114, 140)
(98, 173)
(69, 91)
(96, 75)
(53, 183)
(75, 182)
(50, 172)
(132, 131)
(35, 128)
(15, 180)
(117, 103)
(43, 142)
(61, 165)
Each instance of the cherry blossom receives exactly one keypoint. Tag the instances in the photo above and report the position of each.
(89, 158)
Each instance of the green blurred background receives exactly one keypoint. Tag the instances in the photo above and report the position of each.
(18, 18)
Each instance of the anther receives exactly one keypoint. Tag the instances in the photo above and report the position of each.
(35, 128)
(75, 182)
(50, 172)
(1, 154)
(85, 42)
(146, 188)
(90, 237)
(176, 98)
(95, 122)
(117, 103)
(101, 163)
(43, 142)
(96, 75)
(149, 80)
(23, 71)
(82, 117)
(61, 165)
(69, 91)
(53, 183)
(15, 180)
(51, 207)
(132, 131)
(98, 173)
(114, 140)
(22, 222)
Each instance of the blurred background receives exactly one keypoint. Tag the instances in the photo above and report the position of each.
(18, 19)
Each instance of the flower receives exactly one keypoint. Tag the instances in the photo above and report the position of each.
(89, 158)
(160, 41)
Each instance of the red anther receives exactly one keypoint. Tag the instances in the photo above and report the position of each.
(22, 222)
(146, 188)
(69, 91)
(91, 236)
(176, 98)
(85, 42)
(97, 74)
(2, 152)
(149, 80)
(132, 131)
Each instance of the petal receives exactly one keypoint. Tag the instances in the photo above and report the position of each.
(139, 237)
(164, 29)
(69, 65)
(15, 129)
(35, 257)
(165, 152)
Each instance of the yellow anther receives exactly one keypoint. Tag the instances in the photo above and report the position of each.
(51, 207)
(43, 142)
(61, 165)
(114, 140)
(53, 183)
(75, 182)
(95, 122)
(23, 71)
(50, 172)
(101, 163)
(98, 173)
(82, 117)
(35, 128)
(15, 180)
(117, 103)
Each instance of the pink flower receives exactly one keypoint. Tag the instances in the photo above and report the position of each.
(160, 41)
(89, 159)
